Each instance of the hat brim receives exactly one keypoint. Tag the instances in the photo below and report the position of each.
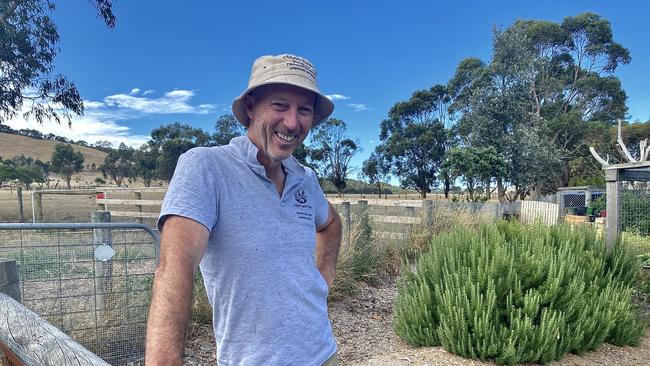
(323, 106)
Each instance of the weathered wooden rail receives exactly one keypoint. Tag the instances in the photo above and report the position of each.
(27, 339)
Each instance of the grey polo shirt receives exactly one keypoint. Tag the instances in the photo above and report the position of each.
(269, 300)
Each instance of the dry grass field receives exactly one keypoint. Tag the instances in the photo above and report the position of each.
(15, 145)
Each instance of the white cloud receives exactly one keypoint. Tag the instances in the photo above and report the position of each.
(147, 92)
(358, 107)
(175, 101)
(86, 128)
(108, 119)
(89, 104)
(337, 97)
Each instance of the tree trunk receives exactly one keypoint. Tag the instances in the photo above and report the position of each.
(67, 182)
(447, 187)
(501, 191)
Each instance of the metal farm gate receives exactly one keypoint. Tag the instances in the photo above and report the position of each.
(92, 281)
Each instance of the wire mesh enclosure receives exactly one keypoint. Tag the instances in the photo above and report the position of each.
(634, 201)
(628, 200)
(92, 281)
(576, 200)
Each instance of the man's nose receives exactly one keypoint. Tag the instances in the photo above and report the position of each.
(292, 119)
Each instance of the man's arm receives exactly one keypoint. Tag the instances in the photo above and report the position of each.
(182, 246)
(328, 242)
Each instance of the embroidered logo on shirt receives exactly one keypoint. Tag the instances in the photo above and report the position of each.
(303, 211)
(300, 196)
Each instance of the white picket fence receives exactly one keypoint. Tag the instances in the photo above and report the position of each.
(535, 211)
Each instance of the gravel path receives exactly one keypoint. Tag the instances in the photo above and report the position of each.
(362, 325)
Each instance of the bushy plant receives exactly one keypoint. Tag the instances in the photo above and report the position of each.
(201, 308)
(519, 294)
(364, 258)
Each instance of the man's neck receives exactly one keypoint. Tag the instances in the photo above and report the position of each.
(274, 170)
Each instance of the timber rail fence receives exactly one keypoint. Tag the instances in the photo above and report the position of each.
(92, 281)
(26, 339)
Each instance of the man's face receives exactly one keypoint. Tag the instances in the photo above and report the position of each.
(281, 117)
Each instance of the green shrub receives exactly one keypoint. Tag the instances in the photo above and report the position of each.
(519, 294)
(201, 308)
(364, 259)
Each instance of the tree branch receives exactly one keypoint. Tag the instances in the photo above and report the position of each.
(624, 149)
(9, 12)
(602, 161)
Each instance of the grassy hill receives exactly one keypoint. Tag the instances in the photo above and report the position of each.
(14, 145)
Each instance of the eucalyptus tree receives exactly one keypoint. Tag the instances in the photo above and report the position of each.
(226, 128)
(413, 139)
(27, 53)
(66, 161)
(376, 169)
(331, 150)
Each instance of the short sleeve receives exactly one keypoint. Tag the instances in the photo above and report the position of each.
(321, 203)
(193, 190)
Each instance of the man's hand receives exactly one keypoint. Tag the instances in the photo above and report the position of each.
(182, 246)
(328, 242)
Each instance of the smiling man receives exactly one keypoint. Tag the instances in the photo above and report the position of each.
(261, 229)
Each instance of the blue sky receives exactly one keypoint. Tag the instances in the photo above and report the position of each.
(172, 61)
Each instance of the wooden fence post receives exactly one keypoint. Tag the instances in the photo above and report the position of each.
(613, 208)
(9, 280)
(346, 222)
(38, 207)
(21, 212)
(362, 207)
(428, 212)
(138, 196)
(103, 269)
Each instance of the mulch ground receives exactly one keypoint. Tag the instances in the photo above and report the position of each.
(362, 326)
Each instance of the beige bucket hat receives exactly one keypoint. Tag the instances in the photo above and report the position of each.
(283, 69)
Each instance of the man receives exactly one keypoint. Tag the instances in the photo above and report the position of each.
(253, 217)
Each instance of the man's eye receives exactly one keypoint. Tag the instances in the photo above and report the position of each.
(306, 111)
(279, 105)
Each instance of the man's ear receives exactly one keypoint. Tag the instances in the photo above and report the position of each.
(249, 102)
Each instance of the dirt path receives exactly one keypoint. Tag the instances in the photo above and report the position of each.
(362, 325)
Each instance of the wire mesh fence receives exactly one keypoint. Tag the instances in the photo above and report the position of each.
(576, 200)
(92, 281)
(634, 202)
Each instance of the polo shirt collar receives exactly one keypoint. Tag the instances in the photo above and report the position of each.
(248, 151)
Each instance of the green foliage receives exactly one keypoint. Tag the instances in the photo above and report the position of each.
(119, 164)
(635, 212)
(376, 170)
(66, 161)
(519, 294)
(599, 204)
(27, 52)
(227, 127)
(413, 138)
(364, 258)
(170, 141)
(474, 165)
(547, 94)
(331, 150)
(201, 308)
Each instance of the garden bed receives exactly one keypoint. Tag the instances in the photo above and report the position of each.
(363, 326)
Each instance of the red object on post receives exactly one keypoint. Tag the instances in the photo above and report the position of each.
(603, 213)
(100, 195)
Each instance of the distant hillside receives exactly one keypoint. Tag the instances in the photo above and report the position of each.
(14, 145)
